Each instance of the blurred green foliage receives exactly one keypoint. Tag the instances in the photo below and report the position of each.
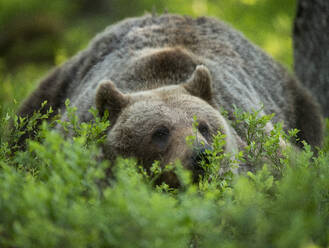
(33, 31)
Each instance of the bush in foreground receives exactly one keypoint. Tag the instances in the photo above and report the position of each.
(57, 193)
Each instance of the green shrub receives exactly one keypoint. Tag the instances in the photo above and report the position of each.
(58, 193)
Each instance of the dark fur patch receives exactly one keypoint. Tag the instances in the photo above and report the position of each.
(52, 89)
(172, 65)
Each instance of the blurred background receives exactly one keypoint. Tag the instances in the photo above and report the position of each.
(36, 35)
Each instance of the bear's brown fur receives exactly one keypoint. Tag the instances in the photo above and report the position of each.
(153, 124)
(155, 73)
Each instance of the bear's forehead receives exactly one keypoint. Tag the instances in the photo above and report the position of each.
(172, 109)
(173, 97)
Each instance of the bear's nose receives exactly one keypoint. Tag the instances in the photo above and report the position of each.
(198, 156)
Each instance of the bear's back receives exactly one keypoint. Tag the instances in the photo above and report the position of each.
(151, 51)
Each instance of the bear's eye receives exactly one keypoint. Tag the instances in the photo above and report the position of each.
(160, 135)
(204, 129)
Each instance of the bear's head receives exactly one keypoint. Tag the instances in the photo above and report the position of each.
(153, 124)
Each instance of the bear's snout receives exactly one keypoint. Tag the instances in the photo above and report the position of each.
(199, 154)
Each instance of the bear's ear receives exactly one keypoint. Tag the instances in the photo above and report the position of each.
(109, 98)
(200, 83)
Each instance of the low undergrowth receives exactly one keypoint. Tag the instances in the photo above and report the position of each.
(57, 193)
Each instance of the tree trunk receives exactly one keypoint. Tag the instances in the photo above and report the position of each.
(311, 48)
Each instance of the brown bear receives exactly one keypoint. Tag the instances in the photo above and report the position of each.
(155, 73)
